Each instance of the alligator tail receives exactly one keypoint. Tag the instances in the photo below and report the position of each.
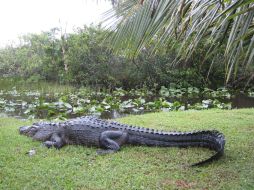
(216, 141)
(211, 139)
(211, 159)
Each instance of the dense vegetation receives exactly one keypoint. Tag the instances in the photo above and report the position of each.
(85, 58)
(96, 80)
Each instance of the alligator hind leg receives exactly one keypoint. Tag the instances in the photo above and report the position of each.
(55, 141)
(111, 141)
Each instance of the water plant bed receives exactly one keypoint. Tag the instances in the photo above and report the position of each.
(75, 167)
(117, 103)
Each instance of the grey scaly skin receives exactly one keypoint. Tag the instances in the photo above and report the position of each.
(110, 136)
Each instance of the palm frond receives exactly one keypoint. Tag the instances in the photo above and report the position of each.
(137, 23)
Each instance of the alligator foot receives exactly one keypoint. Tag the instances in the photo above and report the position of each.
(111, 141)
(55, 141)
(48, 144)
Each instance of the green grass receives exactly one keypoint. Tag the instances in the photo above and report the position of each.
(76, 167)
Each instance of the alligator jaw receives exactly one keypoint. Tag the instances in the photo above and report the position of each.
(28, 130)
(23, 129)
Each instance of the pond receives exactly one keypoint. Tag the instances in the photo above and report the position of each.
(27, 104)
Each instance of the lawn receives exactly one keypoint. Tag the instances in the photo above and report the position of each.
(76, 167)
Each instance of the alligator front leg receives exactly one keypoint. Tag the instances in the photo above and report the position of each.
(111, 141)
(55, 141)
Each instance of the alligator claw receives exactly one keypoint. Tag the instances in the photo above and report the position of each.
(48, 144)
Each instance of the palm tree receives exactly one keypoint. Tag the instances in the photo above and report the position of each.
(227, 24)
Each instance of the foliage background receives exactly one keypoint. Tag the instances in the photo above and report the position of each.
(86, 58)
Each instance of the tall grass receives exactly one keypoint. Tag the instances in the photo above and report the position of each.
(41, 86)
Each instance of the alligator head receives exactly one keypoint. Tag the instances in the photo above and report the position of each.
(41, 131)
(29, 130)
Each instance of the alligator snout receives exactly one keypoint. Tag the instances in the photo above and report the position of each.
(28, 130)
(23, 129)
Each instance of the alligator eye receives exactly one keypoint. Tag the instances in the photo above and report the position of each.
(32, 130)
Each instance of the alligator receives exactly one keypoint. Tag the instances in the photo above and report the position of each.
(111, 135)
